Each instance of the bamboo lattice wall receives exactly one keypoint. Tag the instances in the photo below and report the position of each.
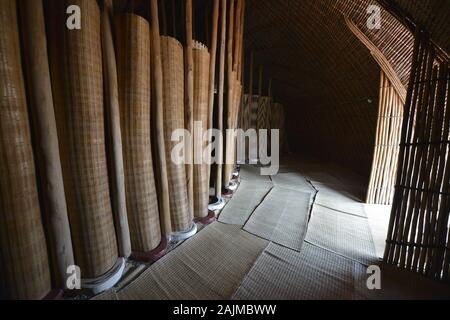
(419, 237)
(384, 167)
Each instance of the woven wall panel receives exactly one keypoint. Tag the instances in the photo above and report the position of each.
(394, 40)
(133, 48)
(77, 80)
(419, 233)
(201, 91)
(24, 266)
(387, 145)
(173, 95)
(433, 16)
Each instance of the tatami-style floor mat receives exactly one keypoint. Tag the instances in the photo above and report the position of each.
(282, 217)
(313, 273)
(336, 198)
(253, 173)
(293, 180)
(344, 234)
(249, 196)
(209, 266)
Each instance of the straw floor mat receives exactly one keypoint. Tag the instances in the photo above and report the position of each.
(313, 273)
(341, 233)
(244, 203)
(282, 217)
(212, 265)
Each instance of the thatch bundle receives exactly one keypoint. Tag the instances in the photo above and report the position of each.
(24, 266)
(133, 58)
(201, 114)
(173, 97)
(76, 68)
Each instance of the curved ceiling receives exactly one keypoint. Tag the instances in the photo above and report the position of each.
(325, 76)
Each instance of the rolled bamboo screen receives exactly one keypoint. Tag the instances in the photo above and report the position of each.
(114, 134)
(173, 93)
(263, 115)
(76, 68)
(418, 236)
(40, 105)
(24, 266)
(201, 114)
(387, 144)
(133, 59)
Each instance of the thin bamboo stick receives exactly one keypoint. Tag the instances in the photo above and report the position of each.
(163, 185)
(189, 104)
(212, 75)
(115, 136)
(230, 101)
(174, 19)
(219, 150)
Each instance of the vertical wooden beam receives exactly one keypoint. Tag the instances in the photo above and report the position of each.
(250, 85)
(41, 101)
(189, 103)
(260, 84)
(174, 19)
(230, 100)
(212, 72)
(163, 184)
(241, 49)
(164, 17)
(237, 35)
(219, 151)
(115, 136)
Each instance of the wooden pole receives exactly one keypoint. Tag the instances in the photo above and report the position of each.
(219, 150)
(237, 35)
(163, 185)
(189, 103)
(260, 84)
(115, 136)
(174, 19)
(41, 100)
(230, 101)
(164, 17)
(212, 74)
(250, 85)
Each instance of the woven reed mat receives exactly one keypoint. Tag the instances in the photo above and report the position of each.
(244, 202)
(293, 180)
(173, 95)
(311, 274)
(253, 173)
(209, 266)
(335, 197)
(24, 267)
(133, 59)
(201, 114)
(344, 234)
(282, 217)
(77, 80)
